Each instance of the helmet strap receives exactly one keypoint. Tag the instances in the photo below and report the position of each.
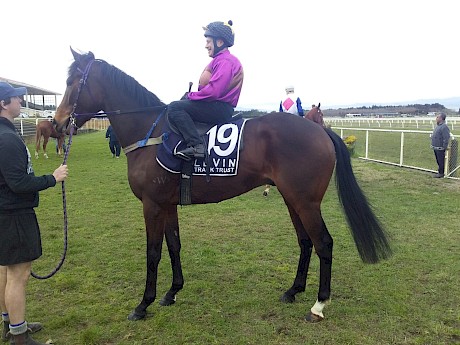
(217, 49)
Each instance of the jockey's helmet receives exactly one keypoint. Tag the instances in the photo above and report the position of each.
(221, 30)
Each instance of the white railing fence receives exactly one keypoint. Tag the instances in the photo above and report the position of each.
(403, 148)
(416, 123)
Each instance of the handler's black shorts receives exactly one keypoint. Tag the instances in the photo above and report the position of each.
(19, 237)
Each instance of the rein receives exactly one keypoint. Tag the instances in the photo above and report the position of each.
(64, 206)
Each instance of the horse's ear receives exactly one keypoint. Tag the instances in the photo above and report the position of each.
(76, 56)
(91, 55)
(319, 105)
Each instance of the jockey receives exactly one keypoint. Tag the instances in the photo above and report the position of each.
(291, 104)
(218, 90)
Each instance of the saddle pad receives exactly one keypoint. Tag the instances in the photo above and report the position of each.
(223, 142)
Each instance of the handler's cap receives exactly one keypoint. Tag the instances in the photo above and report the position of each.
(7, 91)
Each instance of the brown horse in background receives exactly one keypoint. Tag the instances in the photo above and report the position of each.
(316, 115)
(46, 130)
(297, 155)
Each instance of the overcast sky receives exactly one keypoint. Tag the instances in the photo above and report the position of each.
(332, 51)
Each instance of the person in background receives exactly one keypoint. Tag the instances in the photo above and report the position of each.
(290, 103)
(218, 90)
(114, 144)
(439, 142)
(20, 241)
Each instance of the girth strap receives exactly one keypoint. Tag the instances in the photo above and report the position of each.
(142, 143)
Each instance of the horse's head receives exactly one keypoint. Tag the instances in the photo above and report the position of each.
(83, 95)
(94, 85)
(315, 114)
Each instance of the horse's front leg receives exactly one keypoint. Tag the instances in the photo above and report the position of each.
(154, 218)
(174, 246)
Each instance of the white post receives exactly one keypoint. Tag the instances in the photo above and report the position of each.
(401, 153)
(367, 144)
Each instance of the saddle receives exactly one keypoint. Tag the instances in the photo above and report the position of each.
(168, 155)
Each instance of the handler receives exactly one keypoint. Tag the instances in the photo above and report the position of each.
(20, 241)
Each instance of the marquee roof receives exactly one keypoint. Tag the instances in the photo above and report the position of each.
(31, 90)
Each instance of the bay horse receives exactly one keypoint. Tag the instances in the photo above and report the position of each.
(46, 130)
(297, 155)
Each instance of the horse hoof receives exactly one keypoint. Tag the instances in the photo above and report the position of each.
(167, 300)
(265, 193)
(313, 318)
(136, 316)
(286, 298)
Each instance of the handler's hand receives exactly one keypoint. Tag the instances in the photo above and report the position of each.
(60, 174)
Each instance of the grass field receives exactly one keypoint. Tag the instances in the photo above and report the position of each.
(238, 257)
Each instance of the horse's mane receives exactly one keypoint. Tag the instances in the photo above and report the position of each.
(123, 81)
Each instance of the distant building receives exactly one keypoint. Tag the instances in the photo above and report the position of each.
(36, 100)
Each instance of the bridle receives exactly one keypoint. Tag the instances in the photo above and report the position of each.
(81, 83)
(146, 141)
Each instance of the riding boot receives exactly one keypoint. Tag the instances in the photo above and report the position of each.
(23, 339)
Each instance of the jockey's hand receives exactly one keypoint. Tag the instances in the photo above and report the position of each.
(185, 96)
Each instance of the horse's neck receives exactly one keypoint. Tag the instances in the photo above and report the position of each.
(135, 118)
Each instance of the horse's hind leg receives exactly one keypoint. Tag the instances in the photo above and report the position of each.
(323, 243)
(312, 231)
(174, 246)
(306, 246)
(37, 145)
(266, 190)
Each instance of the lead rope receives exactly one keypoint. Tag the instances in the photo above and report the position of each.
(64, 206)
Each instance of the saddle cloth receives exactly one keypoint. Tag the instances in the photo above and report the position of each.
(223, 144)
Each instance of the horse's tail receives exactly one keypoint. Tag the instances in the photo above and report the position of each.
(369, 235)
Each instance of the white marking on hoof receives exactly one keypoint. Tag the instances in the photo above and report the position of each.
(317, 309)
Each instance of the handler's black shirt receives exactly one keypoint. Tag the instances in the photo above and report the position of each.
(18, 184)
